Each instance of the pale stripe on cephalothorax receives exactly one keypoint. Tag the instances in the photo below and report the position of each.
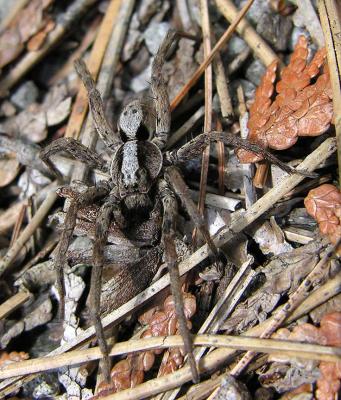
(130, 163)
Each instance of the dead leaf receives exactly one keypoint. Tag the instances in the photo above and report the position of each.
(324, 204)
(299, 109)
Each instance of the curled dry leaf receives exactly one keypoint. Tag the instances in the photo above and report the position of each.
(299, 109)
(129, 372)
(324, 204)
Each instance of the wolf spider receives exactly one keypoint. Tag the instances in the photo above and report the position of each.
(140, 173)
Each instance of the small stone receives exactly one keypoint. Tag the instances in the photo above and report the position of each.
(236, 45)
(154, 35)
(25, 95)
(147, 9)
(258, 8)
(132, 45)
(57, 115)
(7, 109)
(255, 72)
(33, 126)
(141, 81)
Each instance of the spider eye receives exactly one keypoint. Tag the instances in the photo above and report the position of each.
(142, 133)
(134, 111)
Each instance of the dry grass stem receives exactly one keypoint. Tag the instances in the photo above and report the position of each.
(13, 303)
(18, 224)
(311, 162)
(220, 148)
(220, 311)
(215, 200)
(316, 298)
(331, 25)
(298, 235)
(87, 41)
(269, 346)
(261, 174)
(166, 382)
(318, 156)
(222, 82)
(206, 32)
(9, 217)
(186, 127)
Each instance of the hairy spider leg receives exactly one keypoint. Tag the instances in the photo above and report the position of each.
(170, 208)
(103, 221)
(85, 198)
(160, 93)
(103, 128)
(77, 150)
(195, 147)
(176, 181)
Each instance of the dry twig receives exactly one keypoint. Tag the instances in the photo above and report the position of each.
(269, 346)
(331, 25)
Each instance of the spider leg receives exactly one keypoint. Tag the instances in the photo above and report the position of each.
(169, 213)
(109, 137)
(159, 91)
(178, 184)
(102, 227)
(85, 198)
(74, 148)
(195, 147)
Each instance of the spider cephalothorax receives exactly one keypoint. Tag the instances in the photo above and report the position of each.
(135, 166)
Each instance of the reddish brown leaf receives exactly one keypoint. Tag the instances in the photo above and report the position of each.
(129, 372)
(299, 109)
(324, 205)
